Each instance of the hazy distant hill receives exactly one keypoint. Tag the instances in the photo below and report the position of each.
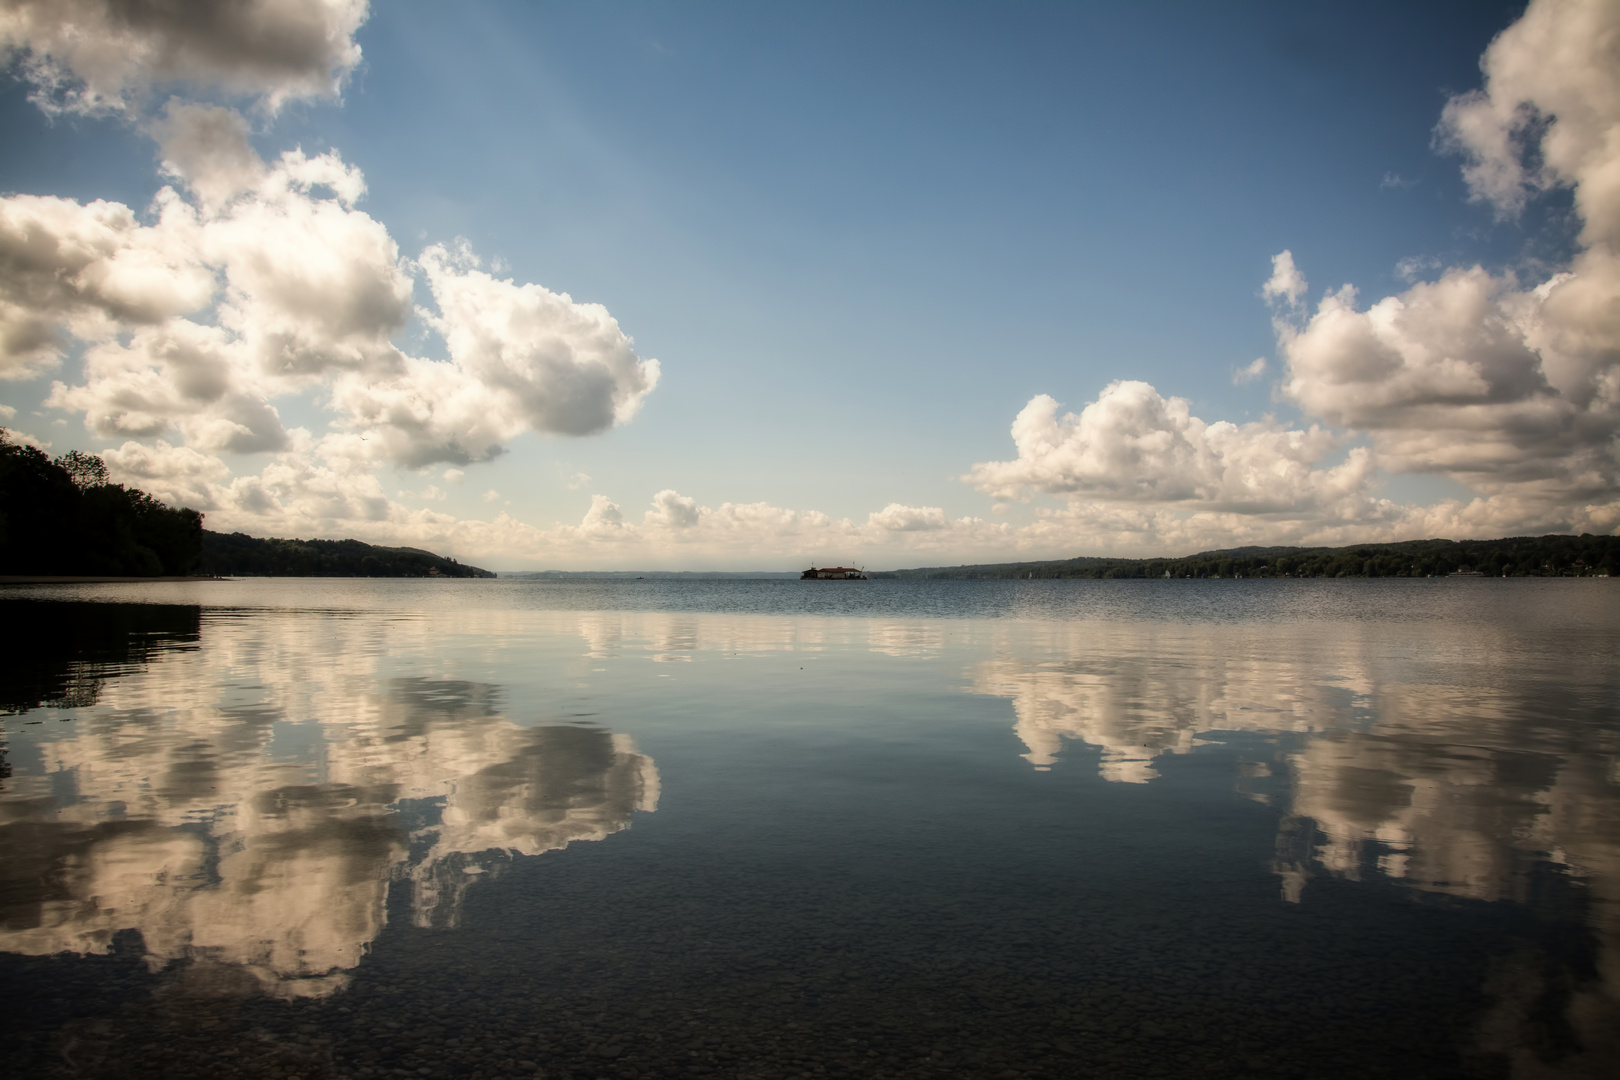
(240, 555)
(1518, 556)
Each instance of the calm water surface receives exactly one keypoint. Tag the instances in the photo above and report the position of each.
(781, 829)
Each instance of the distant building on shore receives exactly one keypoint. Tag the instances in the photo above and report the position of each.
(832, 573)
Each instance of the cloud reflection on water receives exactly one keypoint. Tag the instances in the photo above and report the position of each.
(1454, 761)
(1138, 692)
(262, 829)
(252, 800)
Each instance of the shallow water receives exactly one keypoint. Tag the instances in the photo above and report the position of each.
(748, 829)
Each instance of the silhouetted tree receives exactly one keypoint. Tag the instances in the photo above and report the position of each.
(63, 517)
(85, 470)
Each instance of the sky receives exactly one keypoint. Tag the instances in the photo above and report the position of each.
(749, 286)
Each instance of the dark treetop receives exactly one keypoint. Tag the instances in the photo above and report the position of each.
(63, 517)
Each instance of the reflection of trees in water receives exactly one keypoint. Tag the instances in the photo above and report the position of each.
(262, 834)
(1496, 782)
(67, 650)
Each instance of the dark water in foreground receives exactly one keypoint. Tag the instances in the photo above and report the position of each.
(779, 829)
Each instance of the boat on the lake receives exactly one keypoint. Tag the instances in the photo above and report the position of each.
(832, 573)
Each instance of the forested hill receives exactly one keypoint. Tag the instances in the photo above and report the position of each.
(1517, 556)
(240, 555)
(63, 517)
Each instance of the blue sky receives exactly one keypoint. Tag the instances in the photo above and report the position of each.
(859, 240)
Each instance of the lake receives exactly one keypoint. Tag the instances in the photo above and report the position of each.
(626, 829)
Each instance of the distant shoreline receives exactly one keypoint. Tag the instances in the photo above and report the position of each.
(1553, 555)
(651, 575)
(93, 579)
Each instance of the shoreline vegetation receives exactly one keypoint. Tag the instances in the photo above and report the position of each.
(63, 517)
(241, 555)
(1514, 556)
(63, 521)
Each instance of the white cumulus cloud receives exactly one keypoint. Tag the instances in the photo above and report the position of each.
(177, 376)
(898, 518)
(99, 56)
(88, 270)
(1547, 114)
(522, 358)
(268, 281)
(1286, 284)
(1448, 378)
(555, 364)
(175, 474)
(1510, 387)
(1135, 445)
(673, 510)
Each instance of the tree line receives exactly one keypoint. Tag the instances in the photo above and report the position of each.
(1517, 556)
(64, 517)
(240, 555)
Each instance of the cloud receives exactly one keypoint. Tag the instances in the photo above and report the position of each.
(554, 364)
(1286, 284)
(306, 490)
(1510, 388)
(288, 285)
(250, 281)
(672, 510)
(177, 376)
(89, 270)
(175, 474)
(307, 282)
(603, 521)
(1249, 372)
(312, 285)
(315, 488)
(101, 56)
(1547, 115)
(267, 282)
(522, 358)
(898, 518)
(1134, 445)
(22, 438)
(1104, 528)
(206, 147)
(1457, 377)
(1414, 267)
